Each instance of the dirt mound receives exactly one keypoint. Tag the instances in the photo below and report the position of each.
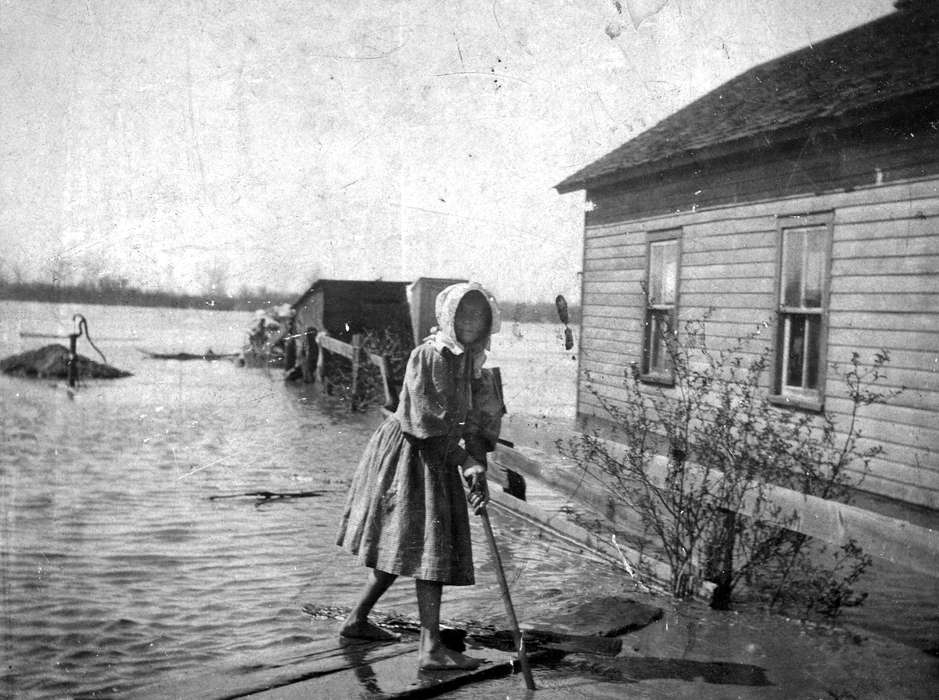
(52, 361)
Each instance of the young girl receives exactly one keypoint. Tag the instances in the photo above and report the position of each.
(405, 513)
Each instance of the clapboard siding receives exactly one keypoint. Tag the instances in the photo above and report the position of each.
(906, 246)
(885, 284)
(874, 302)
(740, 257)
(923, 264)
(860, 339)
(906, 225)
(883, 294)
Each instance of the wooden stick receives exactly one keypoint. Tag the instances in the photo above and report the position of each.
(509, 610)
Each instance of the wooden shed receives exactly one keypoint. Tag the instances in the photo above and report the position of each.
(423, 295)
(343, 308)
(805, 192)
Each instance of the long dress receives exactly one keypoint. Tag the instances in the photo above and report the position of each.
(406, 512)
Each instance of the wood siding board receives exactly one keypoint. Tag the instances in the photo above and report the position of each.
(632, 325)
(854, 338)
(600, 359)
(632, 265)
(700, 240)
(886, 247)
(877, 230)
(889, 211)
(878, 303)
(623, 277)
(604, 335)
(927, 283)
(894, 265)
(610, 346)
(721, 269)
(735, 285)
(742, 256)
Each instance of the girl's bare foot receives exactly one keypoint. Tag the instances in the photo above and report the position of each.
(353, 629)
(440, 658)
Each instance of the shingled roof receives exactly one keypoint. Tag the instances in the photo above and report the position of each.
(850, 79)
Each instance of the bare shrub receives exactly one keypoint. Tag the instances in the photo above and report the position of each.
(697, 461)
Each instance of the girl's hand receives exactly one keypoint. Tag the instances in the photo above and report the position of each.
(478, 495)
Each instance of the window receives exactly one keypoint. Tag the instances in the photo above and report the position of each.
(661, 304)
(803, 296)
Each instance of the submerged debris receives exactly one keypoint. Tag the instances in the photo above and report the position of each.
(52, 361)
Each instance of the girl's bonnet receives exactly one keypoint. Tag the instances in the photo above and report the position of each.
(444, 334)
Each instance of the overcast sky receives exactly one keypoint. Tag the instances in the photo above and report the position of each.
(268, 142)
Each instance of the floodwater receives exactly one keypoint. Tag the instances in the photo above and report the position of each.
(117, 567)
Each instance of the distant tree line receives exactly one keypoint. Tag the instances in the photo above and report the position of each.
(111, 291)
(536, 312)
(117, 292)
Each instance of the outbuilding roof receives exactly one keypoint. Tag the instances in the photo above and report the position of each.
(856, 77)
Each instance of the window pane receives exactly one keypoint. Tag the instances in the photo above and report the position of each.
(663, 272)
(795, 351)
(655, 273)
(812, 327)
(793, 246)
(658, 350)
(814, 267)
(669, 271)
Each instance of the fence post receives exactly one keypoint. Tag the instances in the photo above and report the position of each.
(356, 357)
(320, 360)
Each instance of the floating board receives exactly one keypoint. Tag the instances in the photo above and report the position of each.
(332, 669)
(182, 356)
(390, 671)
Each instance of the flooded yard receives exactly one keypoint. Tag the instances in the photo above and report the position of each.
(129, 552)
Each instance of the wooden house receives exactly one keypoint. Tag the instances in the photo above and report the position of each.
(803, 192)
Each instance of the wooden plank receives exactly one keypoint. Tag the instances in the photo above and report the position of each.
(861, 339)
(607, 310)
(335, 346)
(632, 324)
(886, 247)
(617, 245)
(742, 256)
(323, 659)
(761, 225)
(889, 211)
(602, 344)
(891, 322)
(627, 278)
(729, 284)
(910, 225)
(920, 264)
(874, 302)
(704, 241)
(390, 677)
(619, 335)
(613, 353)
(591, 264)
(720, 269)
(886, 284)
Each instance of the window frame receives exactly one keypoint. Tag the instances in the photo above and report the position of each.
(781, 393)
(647, 374)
